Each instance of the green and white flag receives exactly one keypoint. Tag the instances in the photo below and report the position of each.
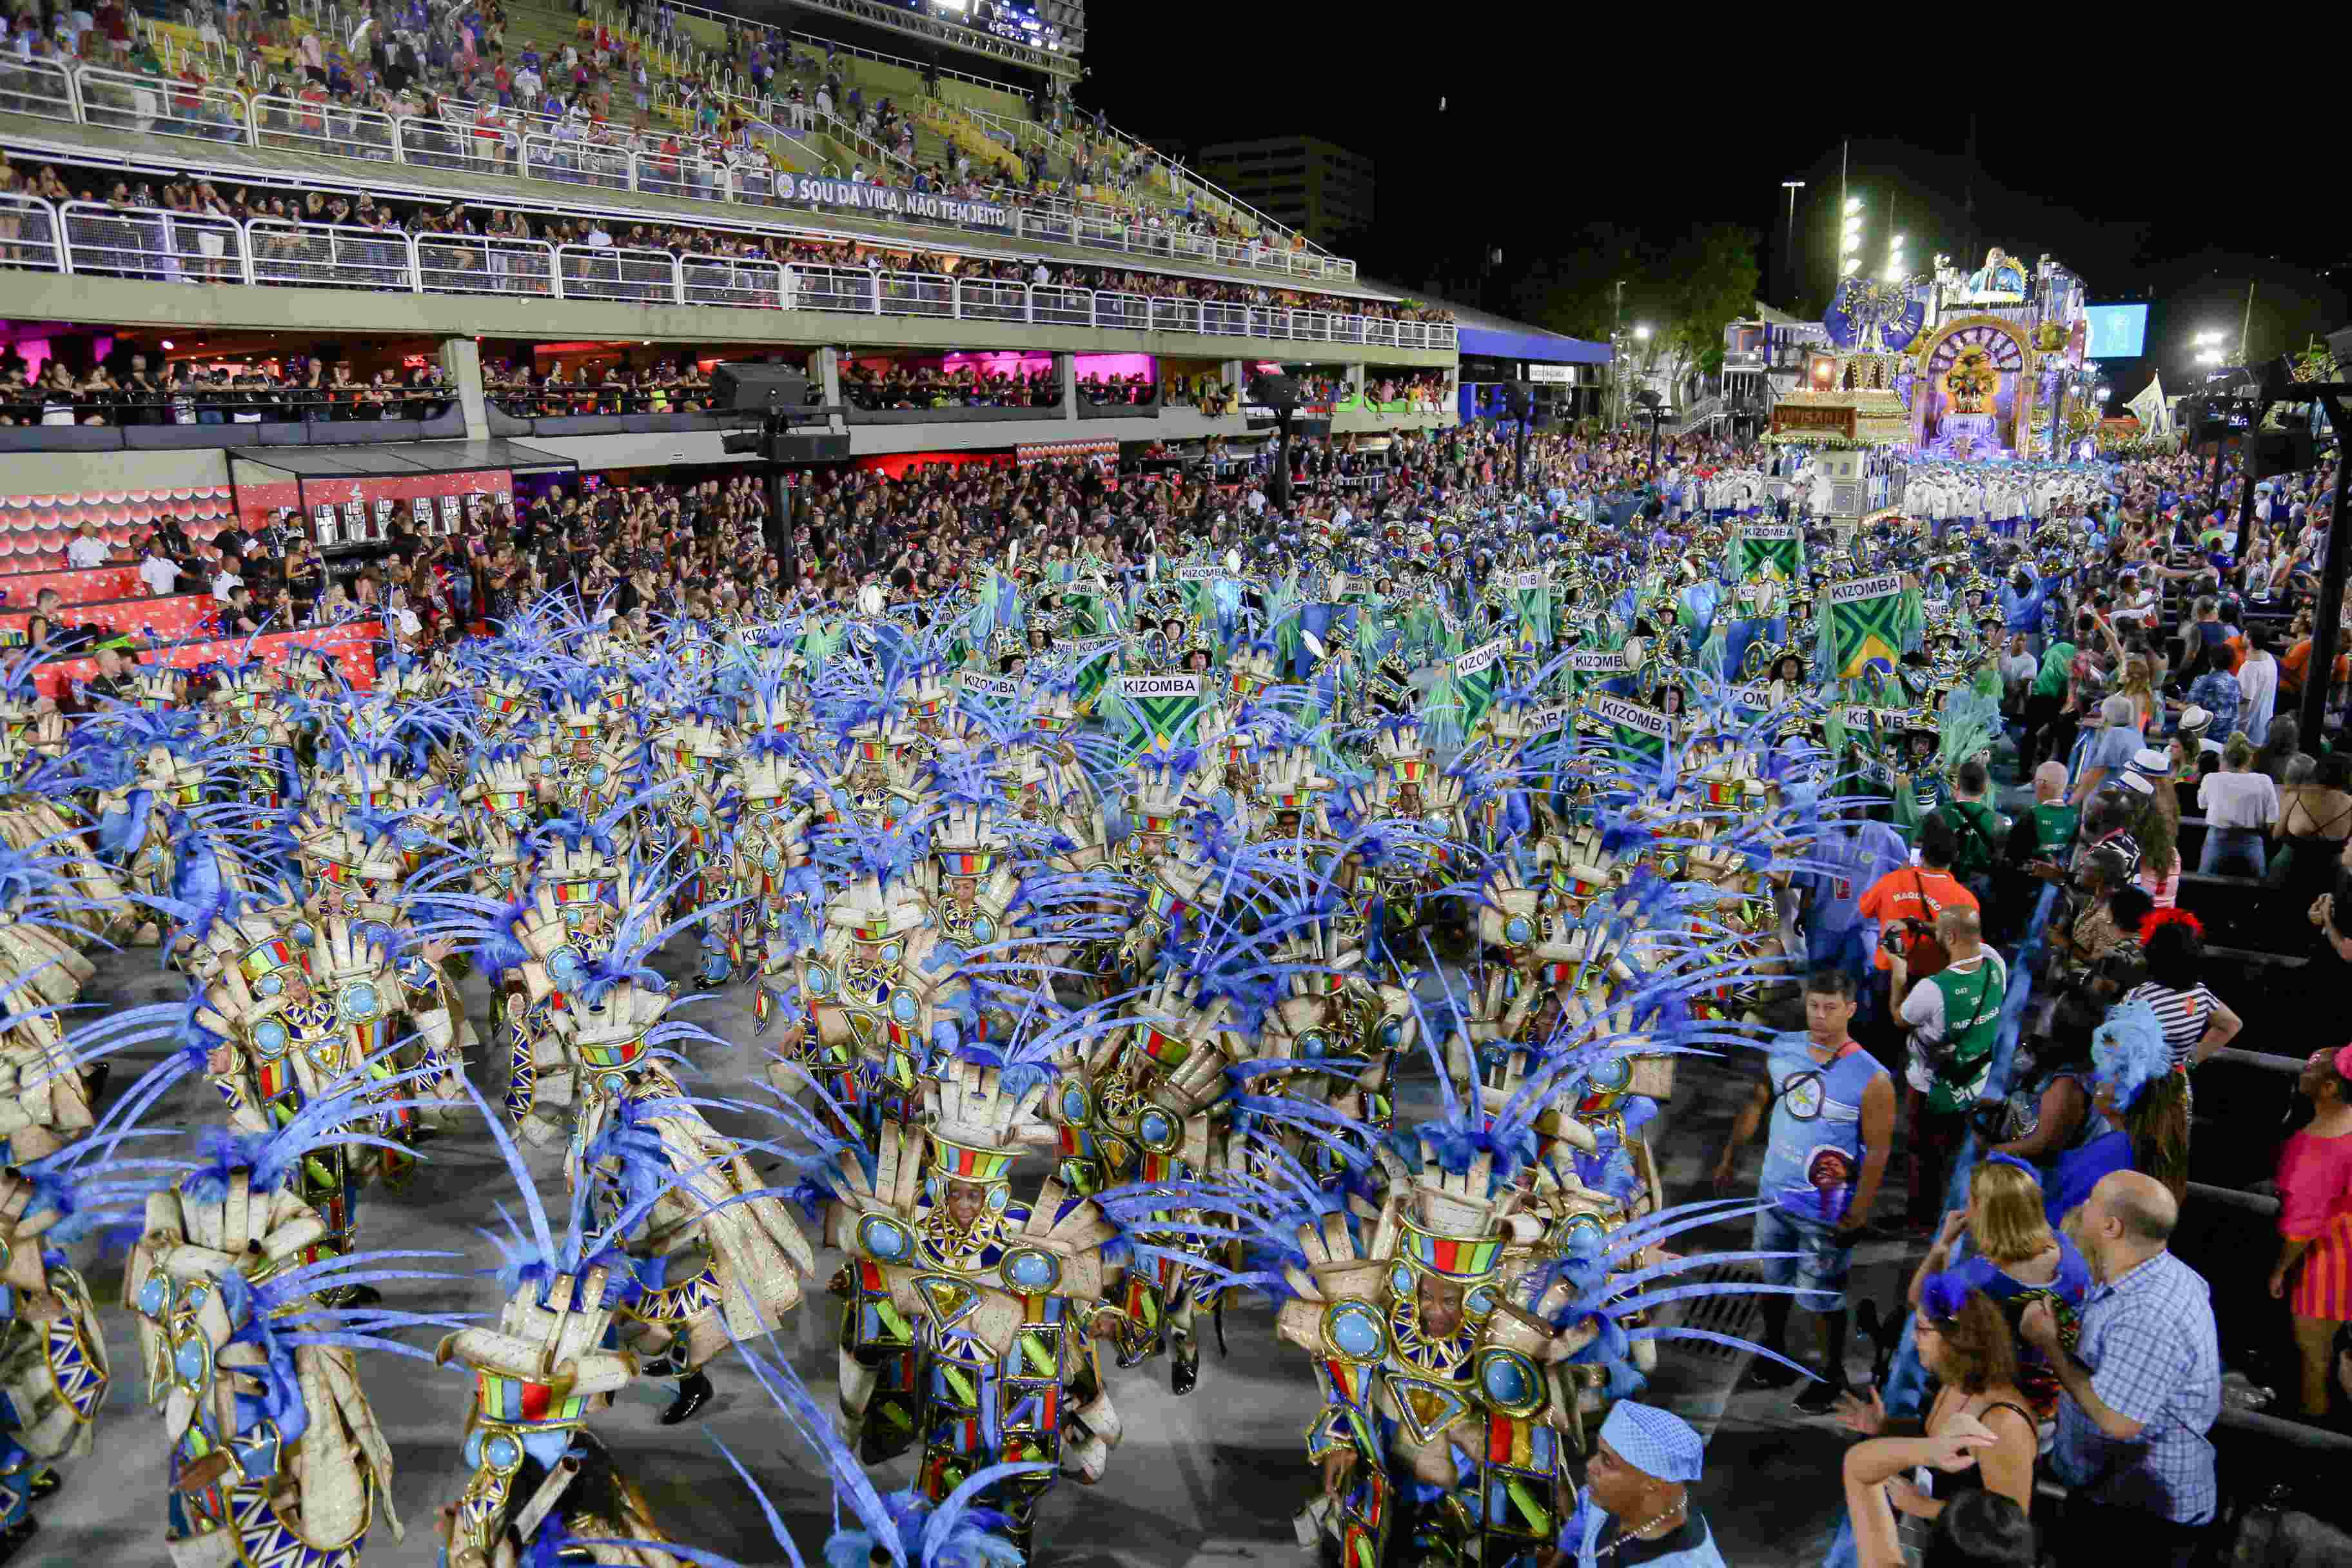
(1166, 705)
(1637, 727)
(1476, 675)
(1768, 550)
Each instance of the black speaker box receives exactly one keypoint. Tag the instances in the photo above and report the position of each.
(756, 388)
(813, 447)
(1277, 392)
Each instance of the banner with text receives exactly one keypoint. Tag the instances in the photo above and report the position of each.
(1769, 550)
(1868, 623)
(1476, 673)
(1167, 705)
(1637, 727)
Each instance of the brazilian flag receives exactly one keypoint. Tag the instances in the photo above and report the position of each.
(1867, 625)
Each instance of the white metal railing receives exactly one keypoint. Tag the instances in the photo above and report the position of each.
(917, 294)
(634, 277)
(480, 146)
(987, 299)
(155, 245)
(848, 289)
(152, 244)
(43, 89)
(575, 163)
(533, 146)
(691, 174)
(477, 264)
(742, 280)
(1061, 306)
(330, 256)
(347, 132)
(30, 235)
(154, 106)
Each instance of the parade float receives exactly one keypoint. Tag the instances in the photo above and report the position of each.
(1944, 365)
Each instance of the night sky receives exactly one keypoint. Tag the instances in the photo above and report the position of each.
(2083, 150)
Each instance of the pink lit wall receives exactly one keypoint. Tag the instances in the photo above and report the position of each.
(1021, 362)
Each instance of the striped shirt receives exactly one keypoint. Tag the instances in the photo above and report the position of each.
(2183, 1014)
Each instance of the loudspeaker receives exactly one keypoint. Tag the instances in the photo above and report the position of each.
(1519, 398)
(756, 388)
(815, 447)
(1279, 393)
(2289, 450)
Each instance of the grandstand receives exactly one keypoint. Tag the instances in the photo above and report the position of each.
(463, 201)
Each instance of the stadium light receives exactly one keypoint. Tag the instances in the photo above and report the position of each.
(2208, 340)
(1641, 331)
(1853, 204)
(2210, 356)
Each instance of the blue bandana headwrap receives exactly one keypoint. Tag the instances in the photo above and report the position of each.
(1654, 1441)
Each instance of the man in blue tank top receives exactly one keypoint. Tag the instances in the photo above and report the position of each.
(1832, 1110)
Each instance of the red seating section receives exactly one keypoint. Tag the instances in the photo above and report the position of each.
(157, 620)
(347, 645)
(20, 590)
(36, 530)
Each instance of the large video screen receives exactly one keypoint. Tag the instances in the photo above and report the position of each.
(2117, 332)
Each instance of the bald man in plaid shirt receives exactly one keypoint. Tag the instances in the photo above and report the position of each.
(2143, 1384)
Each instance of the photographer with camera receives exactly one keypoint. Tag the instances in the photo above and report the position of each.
(1952, 1016)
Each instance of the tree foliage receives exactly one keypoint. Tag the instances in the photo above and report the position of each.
(1685, 291)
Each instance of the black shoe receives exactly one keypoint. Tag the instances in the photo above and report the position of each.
(15, 1535)
(1766, 1373)
(1183, 1368)
(43, 1483)
(362, 1296)
(1820, 1397)
(93, 1083)
(694, 1392)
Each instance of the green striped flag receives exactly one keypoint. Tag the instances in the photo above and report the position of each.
(1636, 728)
(1867, 624)
(1166, 705)
(1476, 675)
(1769, 550)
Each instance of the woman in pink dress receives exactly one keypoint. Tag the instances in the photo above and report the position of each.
(2315, 1189)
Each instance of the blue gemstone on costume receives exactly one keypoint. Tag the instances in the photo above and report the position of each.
(699, 816)
(891, 953)
(270, 1037)
(1029, 1270)
(1074, 1104)
(503, 1450)
(902, 1008)
(1355, 1328)
(596, 774)
(819, 980)
(360, 1000)
(269, 984)
(771, 861)
(883, 1238)
(1509, 1381)
(154, 1296)
(189, 1361)
(1156, 1128)
(983, 930)
(1518, 931)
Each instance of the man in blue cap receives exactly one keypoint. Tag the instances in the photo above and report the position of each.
(1636, 1506)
